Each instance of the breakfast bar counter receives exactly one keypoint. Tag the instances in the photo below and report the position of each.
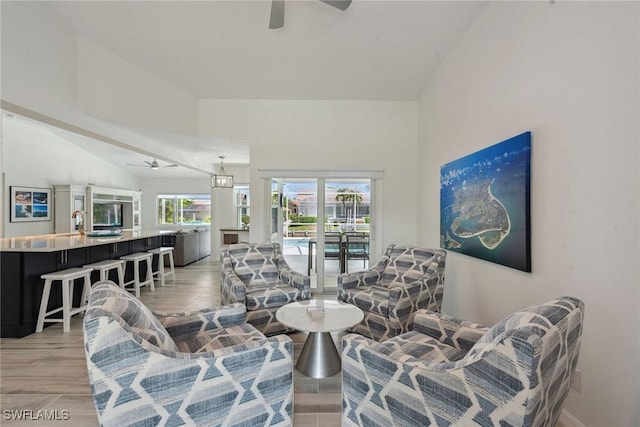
(24, 259)
(66, 241)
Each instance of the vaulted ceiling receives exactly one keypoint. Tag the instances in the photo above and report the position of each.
(374, 50)
(215, 49)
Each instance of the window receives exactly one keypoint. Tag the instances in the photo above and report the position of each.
(184, 209)
(242, 205)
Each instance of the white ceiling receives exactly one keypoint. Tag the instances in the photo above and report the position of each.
(375, 50)
(382, 50)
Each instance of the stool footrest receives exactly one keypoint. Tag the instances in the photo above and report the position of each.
(71, 313)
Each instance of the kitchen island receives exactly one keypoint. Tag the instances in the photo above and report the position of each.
(24, 259)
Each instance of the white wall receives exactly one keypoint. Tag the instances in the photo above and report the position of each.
(48, 69)
(115, 89)
(38, 59)
(326, 135)
(33, 156)
(569, 72)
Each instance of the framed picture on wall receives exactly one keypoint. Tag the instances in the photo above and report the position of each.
(30, 204)
(485, 204)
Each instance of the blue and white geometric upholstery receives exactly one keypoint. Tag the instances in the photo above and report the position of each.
(257, 276)
(203, 368)
(450, 372)
(404, 280)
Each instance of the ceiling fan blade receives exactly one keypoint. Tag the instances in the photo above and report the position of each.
(340, 4)
(148, 163)
(170, 166)
(140, 166)
(277, 14)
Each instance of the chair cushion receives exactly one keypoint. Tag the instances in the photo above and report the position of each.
(111, 301)
(214, 339)
(255, 265)
(423, 347)
(275, 295)
(406, 265)
(374, 299)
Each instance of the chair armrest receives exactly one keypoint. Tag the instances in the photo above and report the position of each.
(357, 279)
(184, 325)
(233, 290)
(246, 348)
(295, 279)
(457, 333)
(405, 299)
(424, 286)
(351, 280)
(354, 344)
(357, 340)
(403, 294)
(404, 290)
(367, 277)
(291, 277)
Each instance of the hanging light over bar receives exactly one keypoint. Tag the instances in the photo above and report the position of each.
(222, 179)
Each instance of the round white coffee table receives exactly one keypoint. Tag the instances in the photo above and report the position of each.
(319, 357)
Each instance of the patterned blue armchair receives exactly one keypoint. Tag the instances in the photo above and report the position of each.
(257, 276)
(203, 368)
(404, 280)
(451, 372)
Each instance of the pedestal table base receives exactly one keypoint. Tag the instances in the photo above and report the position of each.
(319, 357)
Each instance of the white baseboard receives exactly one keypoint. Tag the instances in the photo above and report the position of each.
(568, 420)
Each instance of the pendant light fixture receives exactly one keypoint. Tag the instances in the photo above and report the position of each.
(222, 179)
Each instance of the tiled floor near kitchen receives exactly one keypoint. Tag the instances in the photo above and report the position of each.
(48, 370)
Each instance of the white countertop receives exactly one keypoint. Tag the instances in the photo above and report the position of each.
(65, 241)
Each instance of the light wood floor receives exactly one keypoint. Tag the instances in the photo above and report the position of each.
(47, 371)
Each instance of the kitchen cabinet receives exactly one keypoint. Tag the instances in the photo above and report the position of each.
(24, 260)
(67, 199)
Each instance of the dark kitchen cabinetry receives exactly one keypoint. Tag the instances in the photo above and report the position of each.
(21, 286)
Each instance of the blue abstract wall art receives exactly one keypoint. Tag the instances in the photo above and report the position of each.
(485, 203)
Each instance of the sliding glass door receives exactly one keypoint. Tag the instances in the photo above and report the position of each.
(324, 226)
(347, 219)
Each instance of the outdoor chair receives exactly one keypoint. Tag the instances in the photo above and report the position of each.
(356, 247)
(204, 368)
(452, 372)
(257, 276)
(404, 280)
(334, 249)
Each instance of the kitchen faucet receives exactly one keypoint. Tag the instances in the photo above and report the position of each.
(81, 225)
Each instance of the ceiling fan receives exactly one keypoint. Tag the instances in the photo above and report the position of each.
(154, 165)
(277, 11)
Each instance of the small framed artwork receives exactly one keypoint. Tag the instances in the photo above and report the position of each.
(30, 204)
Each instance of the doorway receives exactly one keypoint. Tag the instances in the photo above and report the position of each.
(324, 226)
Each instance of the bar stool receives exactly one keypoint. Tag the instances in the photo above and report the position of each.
(161, 252)
(66, 278)
(107, 265)
(136, 259)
